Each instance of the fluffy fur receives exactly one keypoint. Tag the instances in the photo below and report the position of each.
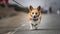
(34, 17)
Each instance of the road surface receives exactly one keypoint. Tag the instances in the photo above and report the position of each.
(50, 24)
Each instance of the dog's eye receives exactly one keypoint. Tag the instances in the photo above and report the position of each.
(33, 13)
(36, 13)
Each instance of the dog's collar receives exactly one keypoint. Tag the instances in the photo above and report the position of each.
(35, 19)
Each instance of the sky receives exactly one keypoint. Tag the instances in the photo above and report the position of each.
(55, 4)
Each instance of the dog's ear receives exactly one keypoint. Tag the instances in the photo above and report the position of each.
(38, 8)
(30, 8)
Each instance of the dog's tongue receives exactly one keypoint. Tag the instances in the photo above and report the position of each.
(35, 19)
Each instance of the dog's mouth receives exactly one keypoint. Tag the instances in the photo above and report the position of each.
(35, 19)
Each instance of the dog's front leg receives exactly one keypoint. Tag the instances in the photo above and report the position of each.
(34, 26)
(31, 27)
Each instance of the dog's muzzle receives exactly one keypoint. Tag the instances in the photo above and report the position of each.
(35, 18)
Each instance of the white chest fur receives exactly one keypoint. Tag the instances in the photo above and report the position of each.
(34, 26)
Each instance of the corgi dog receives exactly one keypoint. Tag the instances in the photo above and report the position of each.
(34, 17)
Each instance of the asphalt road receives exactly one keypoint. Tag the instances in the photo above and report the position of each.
(50, 24)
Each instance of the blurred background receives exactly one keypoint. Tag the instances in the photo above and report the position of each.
(13, 16)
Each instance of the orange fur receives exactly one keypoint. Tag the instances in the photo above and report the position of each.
(35, 11)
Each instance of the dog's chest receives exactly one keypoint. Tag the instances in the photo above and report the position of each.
(35, 22)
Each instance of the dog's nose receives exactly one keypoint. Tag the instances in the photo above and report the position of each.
(34, 16)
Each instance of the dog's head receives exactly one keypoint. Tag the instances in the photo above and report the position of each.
(34, 13)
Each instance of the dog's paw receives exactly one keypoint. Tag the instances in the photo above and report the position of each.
(35, 28)
(31, 28)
